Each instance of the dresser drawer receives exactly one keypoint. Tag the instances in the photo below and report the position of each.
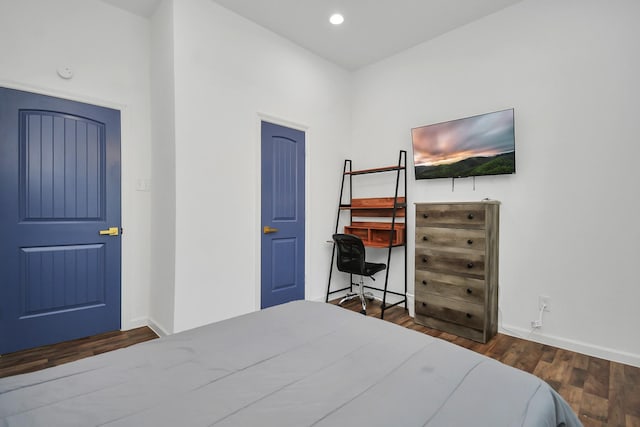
(467, 263)
(452, 328)
(465, 314)
(451, 215)
(445, 285)
(451, 237)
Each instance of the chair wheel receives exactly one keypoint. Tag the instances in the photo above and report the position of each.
(363, 312)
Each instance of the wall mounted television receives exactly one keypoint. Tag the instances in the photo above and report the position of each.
(472, 146)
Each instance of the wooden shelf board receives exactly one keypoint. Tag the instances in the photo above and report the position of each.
(385, 226)
(380, 245)
(369, 208)
(384, 205)
(377, 213)
(375, 170)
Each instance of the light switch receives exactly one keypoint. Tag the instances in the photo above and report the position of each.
(143, 185)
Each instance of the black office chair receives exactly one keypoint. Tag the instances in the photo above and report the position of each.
(351, 259)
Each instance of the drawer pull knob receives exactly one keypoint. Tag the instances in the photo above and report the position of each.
(424, 304)
(425, 238)
(470, 265)
(469, 291)
(425, 215)
(470, 216)
(424, 260)
(424, 282)
(469, 242)
(469, 316)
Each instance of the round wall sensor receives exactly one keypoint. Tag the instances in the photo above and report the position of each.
(65, 72)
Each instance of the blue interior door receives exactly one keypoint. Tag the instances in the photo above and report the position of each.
(283, 214)
(59, 188)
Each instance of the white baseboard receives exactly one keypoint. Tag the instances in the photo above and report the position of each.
(159, 330)
(138, 322)
(573, 345)
(411, 305)
(322, 298)
(564, 343)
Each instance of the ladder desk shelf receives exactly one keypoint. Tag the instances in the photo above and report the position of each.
(387, 233)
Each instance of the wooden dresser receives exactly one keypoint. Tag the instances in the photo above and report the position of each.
(456, 288)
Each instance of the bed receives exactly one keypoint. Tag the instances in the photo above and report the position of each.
(299, 364)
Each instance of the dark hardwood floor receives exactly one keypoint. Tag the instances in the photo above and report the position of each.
(35, 359)
(601, 392)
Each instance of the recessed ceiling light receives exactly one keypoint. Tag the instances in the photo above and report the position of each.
(336, 19)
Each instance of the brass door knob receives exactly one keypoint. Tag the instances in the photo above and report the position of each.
(111, 231)
(269, 230)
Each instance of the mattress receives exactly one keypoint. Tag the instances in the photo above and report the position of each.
(298, 364)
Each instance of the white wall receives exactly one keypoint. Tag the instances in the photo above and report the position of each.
(163, 165)
(109, 52)
(568, 67)
(228, 71)
(568, 229)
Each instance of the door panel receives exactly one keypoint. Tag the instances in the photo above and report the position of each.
(283, 204)
(60, 185)
(64, 169)
(59, 278)
(283, 253)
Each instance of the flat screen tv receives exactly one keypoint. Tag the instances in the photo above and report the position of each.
(473, 146)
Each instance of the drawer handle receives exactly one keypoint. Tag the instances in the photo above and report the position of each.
(469, 316)
(424, 260)
(469, 242)
(470, 216)
(424, 282)
(424, 304)
(470, 265)
(425, 238)
(425, 215)
(469, 291)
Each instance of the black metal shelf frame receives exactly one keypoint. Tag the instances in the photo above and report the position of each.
(347, 172)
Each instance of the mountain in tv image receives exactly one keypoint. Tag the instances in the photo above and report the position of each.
(504, 163)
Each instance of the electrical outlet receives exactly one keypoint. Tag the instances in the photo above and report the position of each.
(544, 301)
(535, 324)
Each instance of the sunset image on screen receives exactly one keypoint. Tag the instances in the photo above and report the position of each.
(479, 145)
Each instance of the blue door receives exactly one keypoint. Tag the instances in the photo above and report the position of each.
(282, 214)
(59, 220)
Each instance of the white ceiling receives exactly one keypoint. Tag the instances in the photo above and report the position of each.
(373, 29)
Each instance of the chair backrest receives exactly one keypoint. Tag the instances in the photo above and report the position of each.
(351, 253)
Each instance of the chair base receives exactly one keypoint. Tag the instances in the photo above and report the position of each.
(353, 295)
(362, 295)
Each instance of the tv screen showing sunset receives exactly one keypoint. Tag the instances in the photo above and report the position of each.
(473, 146)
